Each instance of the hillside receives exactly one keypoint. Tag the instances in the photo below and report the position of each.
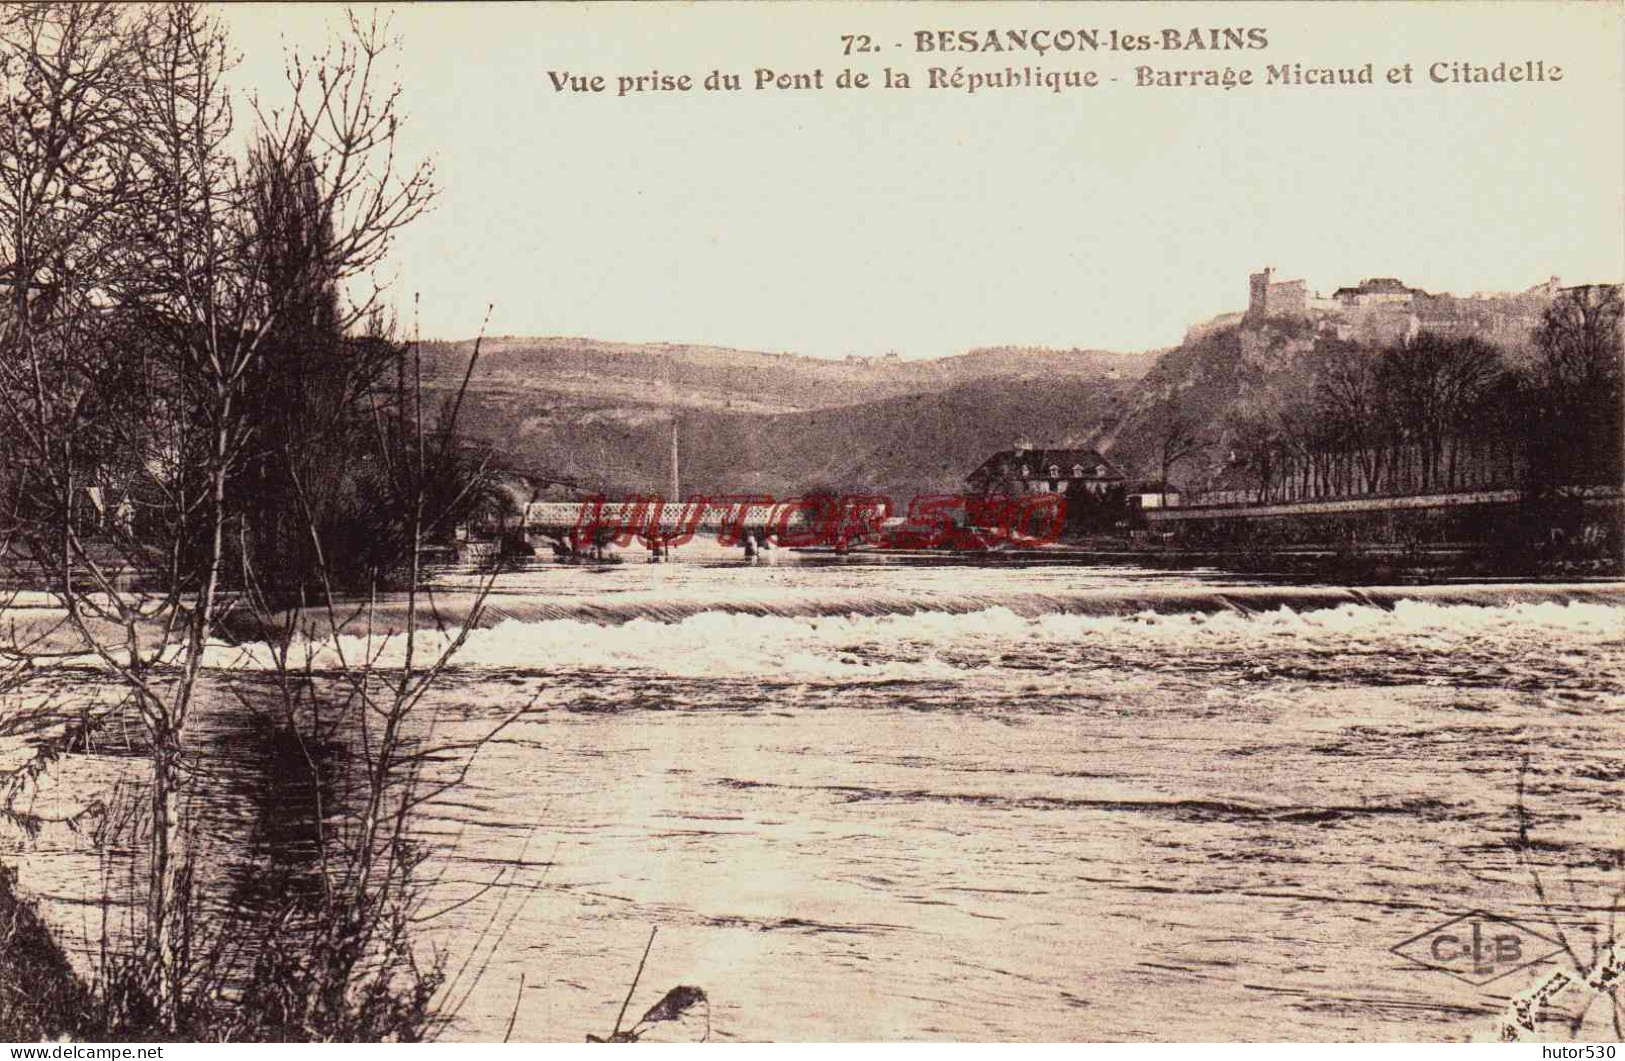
(592, 373)
(600, 413)
(900, 445)
(1213, 382)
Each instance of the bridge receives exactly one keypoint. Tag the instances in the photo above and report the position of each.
(593, 524)
(1330, 506)
(1361, 504)
(1478, 518)
(551, 517)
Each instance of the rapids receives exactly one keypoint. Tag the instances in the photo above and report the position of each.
(920, 802)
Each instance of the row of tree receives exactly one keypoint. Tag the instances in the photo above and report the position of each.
(1438, 413)
(202, 408)
(190, 345)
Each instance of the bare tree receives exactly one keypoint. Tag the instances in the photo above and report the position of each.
(1580, 340)
(67, 164)
(144, 295)
(1350, 395)
(1434, 385)
(1178, 437)
(1577, 430)
(339, 959)
(1256, 445)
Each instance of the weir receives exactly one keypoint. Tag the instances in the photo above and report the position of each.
(448, 611)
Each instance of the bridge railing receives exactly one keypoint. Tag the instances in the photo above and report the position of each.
(931, 521)
(655, 514)
(1358, 504)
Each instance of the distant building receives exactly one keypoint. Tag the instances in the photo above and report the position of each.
(1379, 291)
(1382, 310)
(1025, 469)
(1152, 493)
(1267, 297)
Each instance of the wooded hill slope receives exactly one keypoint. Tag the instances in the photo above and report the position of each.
(601, 413)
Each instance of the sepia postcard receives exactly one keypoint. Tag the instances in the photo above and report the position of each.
(808, 522)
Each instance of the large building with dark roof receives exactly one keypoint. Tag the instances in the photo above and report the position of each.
(1044, 470)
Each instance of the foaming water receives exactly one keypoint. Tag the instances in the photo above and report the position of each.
(995, 803)
(992, 641)
(612, 596)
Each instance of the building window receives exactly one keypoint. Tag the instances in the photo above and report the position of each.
(1077, 471)
(1054, 471)
(1026, 473)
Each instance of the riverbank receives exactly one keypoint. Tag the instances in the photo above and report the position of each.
(40, 995)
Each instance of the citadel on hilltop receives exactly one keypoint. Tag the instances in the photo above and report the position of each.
(1384, 310)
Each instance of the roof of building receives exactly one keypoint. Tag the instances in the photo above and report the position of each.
(1152, 486)
(1379, 285)
(1007, 464)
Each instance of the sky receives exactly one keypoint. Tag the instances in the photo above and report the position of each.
(932, 221)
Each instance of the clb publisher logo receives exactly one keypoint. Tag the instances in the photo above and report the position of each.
(1478, 947)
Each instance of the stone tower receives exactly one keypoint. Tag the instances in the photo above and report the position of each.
(1258, 293)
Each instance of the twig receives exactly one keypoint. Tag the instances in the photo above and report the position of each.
(635, 978)
(515, 1014)
(1529, 865)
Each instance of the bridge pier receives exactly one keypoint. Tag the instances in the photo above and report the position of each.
(660, 547)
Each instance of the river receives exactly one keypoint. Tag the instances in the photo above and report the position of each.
(916, 801)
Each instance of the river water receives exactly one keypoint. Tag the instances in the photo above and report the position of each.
(869, 801)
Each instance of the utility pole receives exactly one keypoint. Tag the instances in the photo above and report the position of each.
(675, 497)
(671, 397)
